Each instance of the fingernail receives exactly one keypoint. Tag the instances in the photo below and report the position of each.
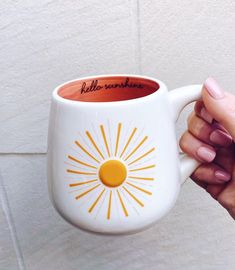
(206, 154)
(222, 176)
(213, 88)
(206, 116)
(220, 137)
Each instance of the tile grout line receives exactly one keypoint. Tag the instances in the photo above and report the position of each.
(11, 225)
(139, 35)
(135, 13)
(22, 154)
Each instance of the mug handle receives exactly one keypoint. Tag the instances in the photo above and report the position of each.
(179, 98)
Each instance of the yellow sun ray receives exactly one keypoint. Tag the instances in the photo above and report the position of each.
(81, 162)
(78, 172)
(143, 168)
(128, 142)
(105, 139)
(141, 189)
(141, 178)
(110, 204)
(138, 201)
(83, 183)
(96, 201)
(118, 136)
(94, 144)
(70, 164)
(144, 155)
(122, 204)
(87, 191)
(84, 150)
(136, 148)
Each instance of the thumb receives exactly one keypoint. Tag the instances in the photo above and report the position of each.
(220, 105)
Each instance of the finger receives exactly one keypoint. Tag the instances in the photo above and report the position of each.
(200, 183)
(215, 189)
(196, 148)
(217, 125)
(227, 197)
(210, 173)
(202, 112)
(207, 133)
(198, 106)
(220, 104)
(225, 158)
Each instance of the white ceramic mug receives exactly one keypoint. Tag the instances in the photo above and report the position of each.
(113, 161)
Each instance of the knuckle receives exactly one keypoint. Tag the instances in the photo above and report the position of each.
(195, 126)
(190, 118)
(198, 107)
(205, 172)
(183, 142)
(199, 127)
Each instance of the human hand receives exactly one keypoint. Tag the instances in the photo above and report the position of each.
(210, 139)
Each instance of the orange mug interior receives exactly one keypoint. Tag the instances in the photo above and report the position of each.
(106, 89)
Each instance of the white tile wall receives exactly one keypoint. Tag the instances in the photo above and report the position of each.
(45, 43)
(185, 41)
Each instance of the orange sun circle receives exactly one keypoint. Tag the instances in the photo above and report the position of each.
(112, 173)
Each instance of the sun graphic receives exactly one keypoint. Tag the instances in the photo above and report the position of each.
(120, 169)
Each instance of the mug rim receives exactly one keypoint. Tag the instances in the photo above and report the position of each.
(58, 98)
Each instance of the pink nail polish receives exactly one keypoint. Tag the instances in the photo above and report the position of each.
(206, 116)
(222, 176)
(214, 90)
(221, 138)
(206, 154)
